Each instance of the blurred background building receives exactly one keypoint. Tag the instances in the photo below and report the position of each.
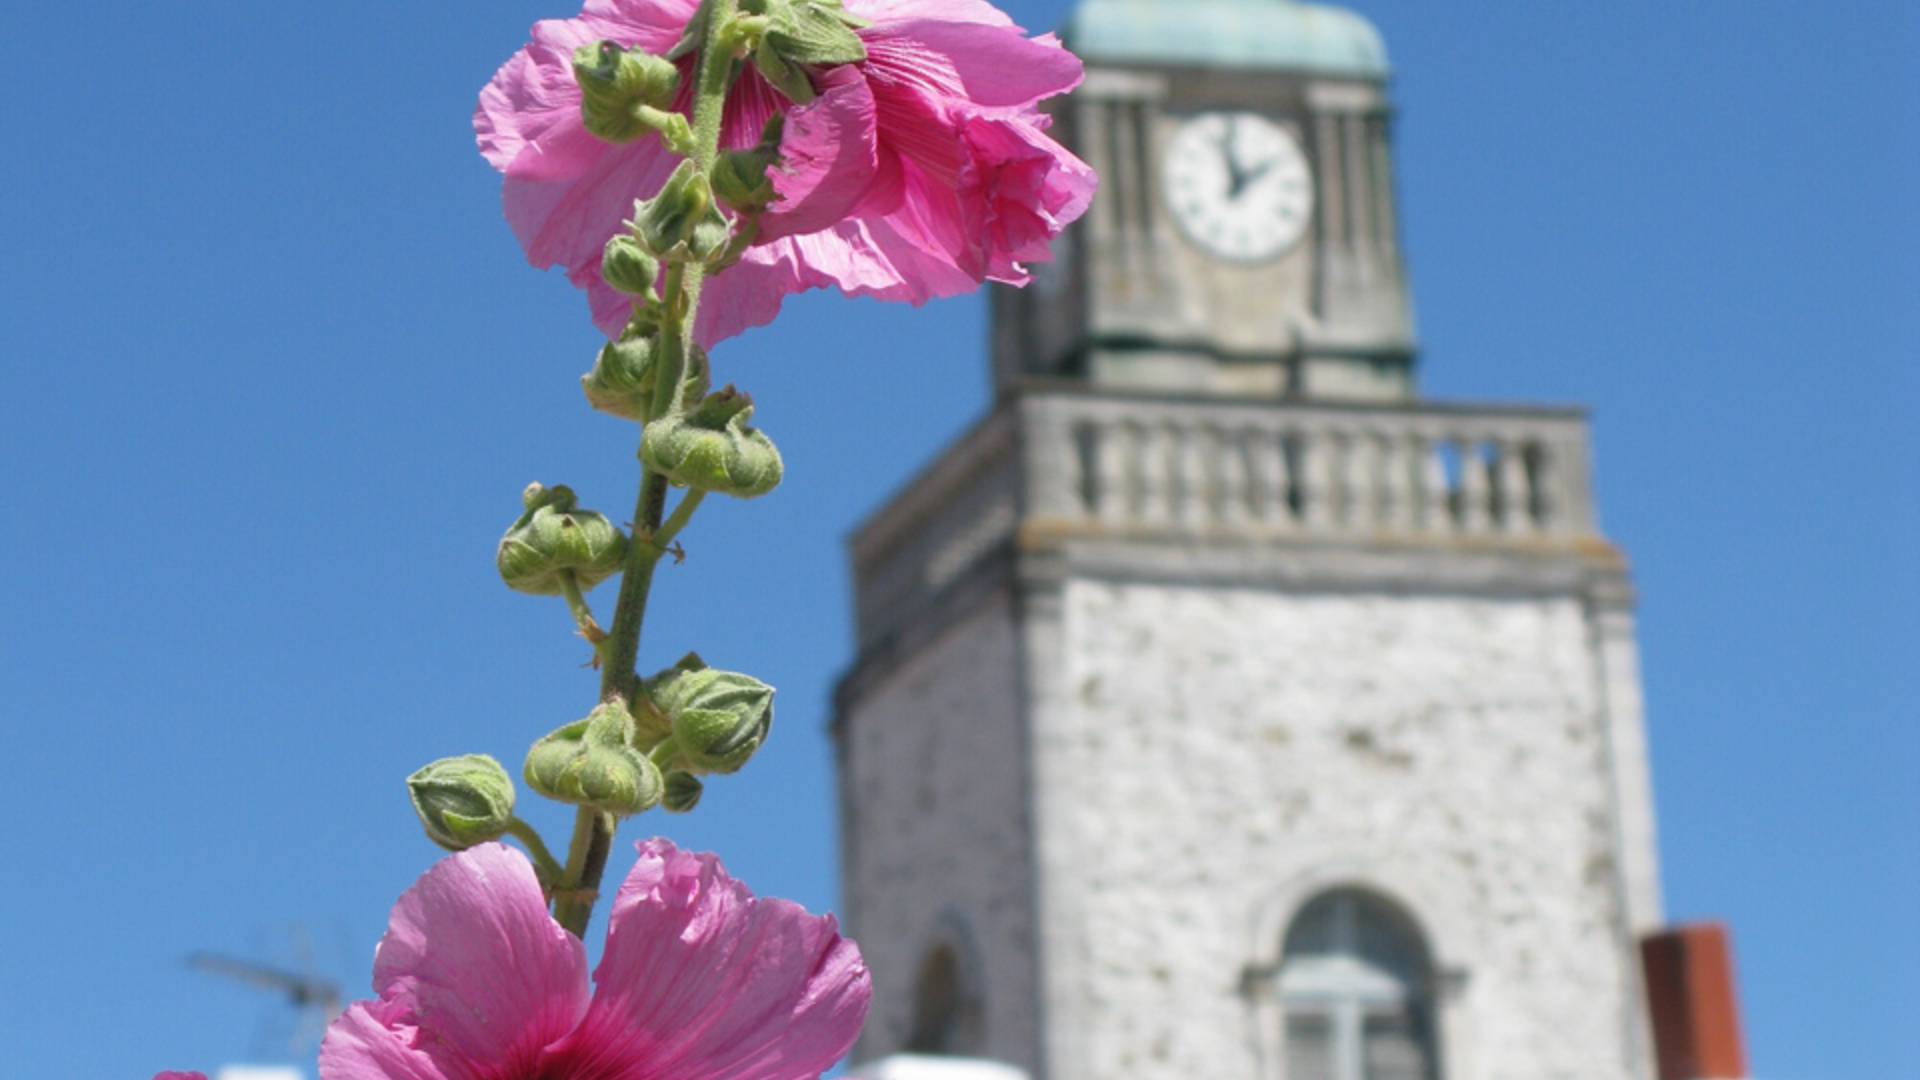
(1223, 707)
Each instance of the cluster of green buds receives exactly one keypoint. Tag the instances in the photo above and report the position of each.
(686, 722)
(785, 38)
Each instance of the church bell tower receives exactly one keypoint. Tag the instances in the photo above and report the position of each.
(1222, 707)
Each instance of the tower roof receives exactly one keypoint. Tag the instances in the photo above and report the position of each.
(1264, 34)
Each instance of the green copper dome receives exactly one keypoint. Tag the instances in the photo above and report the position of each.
(1268, 34)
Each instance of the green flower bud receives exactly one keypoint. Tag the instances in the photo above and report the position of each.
(740, 177)
(462, 801)
(682, 222)
(652, 722)
(592, 762)
(624, 94)
(719, 717)
(552, 537)
(810, 31)
(711, 448)
(621, 381)
(626, 266)
(683, 793)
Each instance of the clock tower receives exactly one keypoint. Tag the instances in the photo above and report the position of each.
(1245, 237)
(1222, 707)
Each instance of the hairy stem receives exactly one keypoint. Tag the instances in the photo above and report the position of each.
(593, 830)
(582, 614)
(544, 864)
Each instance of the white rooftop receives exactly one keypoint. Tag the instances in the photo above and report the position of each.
(920, 1067)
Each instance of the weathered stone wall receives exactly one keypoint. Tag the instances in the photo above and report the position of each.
(937, 833)
(1230, 751)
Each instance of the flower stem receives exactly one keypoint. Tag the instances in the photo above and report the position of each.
(592, 829)
(543, 861)
(682, 514)
(582, 614)
(573, 899)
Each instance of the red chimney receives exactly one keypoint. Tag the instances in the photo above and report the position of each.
(1696, 1022)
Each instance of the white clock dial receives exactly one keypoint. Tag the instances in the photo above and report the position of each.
(1238, 185)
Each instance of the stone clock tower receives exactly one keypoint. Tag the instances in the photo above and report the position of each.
(1224, 709)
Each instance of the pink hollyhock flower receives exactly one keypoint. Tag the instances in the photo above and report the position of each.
(699, 981)
(916, 173)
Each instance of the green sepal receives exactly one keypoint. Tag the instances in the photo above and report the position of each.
(719, 717)
(784, 77)
(630, 268)
(711, 448)
(462, 801)
(683, 793)
(624, 93)
(652, 722)
(621, 382)
(552, 537)
(809, 31)
(682, 222)
(740, 177)
(695, 35)
(592, 762)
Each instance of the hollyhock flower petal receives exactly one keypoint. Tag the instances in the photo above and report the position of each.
(967, 64)
(654, 25)
(860, 258)
(471, 956)
(973, 11)
(533, 96)
(828, 157)
(702, 981)
(916, 173)
(361, 1046)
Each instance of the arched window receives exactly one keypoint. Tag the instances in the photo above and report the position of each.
(946, 1006)
(1356, 989)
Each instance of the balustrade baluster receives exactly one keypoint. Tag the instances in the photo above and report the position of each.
(1435, 492)
(1545, 501)
(1397, 482)
(1195, 447)
(1056, 472)
(1235, 500)
(1315, 478)
(1516, 509)
(1357, 489)
(1267, 476)
(1112, 449)
(1475, 490)
(1156, 475)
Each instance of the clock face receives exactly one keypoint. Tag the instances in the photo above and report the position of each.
(1238, 185)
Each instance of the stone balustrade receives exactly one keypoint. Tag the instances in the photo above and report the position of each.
(1074, 463)
(1208, 466)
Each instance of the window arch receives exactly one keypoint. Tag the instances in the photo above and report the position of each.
(946, 1005)
(1355, 987)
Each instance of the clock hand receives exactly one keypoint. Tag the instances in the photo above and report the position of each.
(1249, 177)
(1236, 176)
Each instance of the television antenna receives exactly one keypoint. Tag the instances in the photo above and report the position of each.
(315, 999)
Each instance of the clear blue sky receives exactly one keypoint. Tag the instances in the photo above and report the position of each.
(273, 374)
